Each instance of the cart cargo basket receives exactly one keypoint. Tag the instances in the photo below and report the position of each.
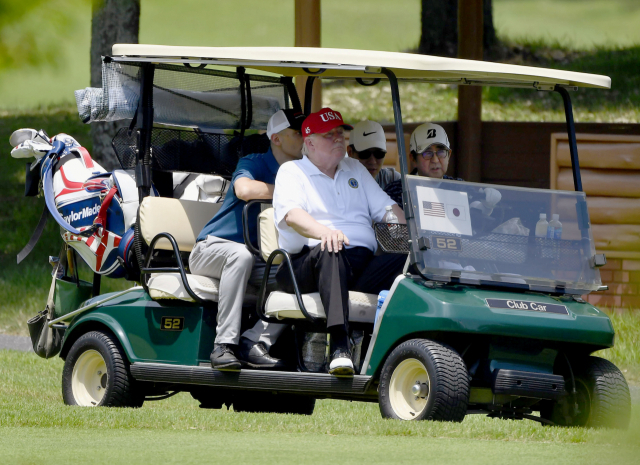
(393, 238)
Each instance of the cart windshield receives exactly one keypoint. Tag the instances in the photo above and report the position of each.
(486, 234)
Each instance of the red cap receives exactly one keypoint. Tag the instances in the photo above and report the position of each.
(323, 121)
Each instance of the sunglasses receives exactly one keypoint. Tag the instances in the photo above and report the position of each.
(365, 154)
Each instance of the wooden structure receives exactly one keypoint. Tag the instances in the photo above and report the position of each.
(611, 179)
(307, 34)
(469, 136)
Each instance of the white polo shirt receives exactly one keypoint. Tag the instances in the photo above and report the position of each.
(348, 202)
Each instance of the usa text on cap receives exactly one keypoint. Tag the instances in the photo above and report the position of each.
(323, 121)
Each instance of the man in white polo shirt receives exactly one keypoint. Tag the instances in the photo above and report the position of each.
(324, 208)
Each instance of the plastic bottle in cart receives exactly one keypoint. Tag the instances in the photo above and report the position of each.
(381, 298)
(554, 230)
(391, 218)
(542, 225)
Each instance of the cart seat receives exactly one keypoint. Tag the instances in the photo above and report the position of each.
(183, 219)
(362, 307)
(169, 286)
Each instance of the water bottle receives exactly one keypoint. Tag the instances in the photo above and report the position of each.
(391, 219)
(542, 225)
(381, 298)
(554, 230)
(557, 229)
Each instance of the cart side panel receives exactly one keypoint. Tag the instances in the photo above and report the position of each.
(149, 331)
(417, 311)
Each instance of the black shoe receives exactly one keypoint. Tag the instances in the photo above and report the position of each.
(223, 358)
(341, 364)
(256, 355)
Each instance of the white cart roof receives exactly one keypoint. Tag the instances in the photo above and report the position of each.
(344, 63)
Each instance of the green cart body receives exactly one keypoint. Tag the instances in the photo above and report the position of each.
(503, 331)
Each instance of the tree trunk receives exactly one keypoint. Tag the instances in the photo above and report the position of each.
(489, 39)
(112, 22)
(440, 28)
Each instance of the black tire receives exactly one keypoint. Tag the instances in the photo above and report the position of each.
(602, 397)
(442, 378)
(259, 402)
(101, 369)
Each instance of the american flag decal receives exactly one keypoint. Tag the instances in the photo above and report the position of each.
(433, 209)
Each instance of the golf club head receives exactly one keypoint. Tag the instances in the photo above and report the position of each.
(21, 135)
(31, 148)
(67, 140)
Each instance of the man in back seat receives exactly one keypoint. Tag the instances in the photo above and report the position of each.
(368, 144)
(221, 254)
(324, 208)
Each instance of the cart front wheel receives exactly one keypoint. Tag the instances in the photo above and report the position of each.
(96, 373)
(424, 380)
(602, 397)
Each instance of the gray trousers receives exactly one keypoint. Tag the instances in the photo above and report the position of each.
(231, 263)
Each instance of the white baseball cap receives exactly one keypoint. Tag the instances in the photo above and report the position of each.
(283, 119)
(368, 135)
(426, 135)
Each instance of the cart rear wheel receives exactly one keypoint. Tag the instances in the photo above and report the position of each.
(96, 373)
(602, 397)
(424, 380)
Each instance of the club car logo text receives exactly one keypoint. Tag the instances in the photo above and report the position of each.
(86, 212)
(527, 305)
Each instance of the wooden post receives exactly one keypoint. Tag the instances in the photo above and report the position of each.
(307, 17)
(469, 156)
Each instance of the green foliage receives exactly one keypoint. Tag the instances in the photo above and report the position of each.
(625, 353)
(380, 25)
(620, 104)
(578, 24)
(27, 28)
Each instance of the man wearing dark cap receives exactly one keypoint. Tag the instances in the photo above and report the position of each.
(220, 252)
(324, 207)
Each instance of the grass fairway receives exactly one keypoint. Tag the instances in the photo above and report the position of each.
(149, 446)
(35, 427)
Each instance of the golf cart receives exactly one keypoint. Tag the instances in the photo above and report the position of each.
(487, 317)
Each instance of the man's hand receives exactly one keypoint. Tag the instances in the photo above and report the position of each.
(304, 224)
(333, 239)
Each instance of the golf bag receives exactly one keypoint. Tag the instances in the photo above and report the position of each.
(96, 210)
